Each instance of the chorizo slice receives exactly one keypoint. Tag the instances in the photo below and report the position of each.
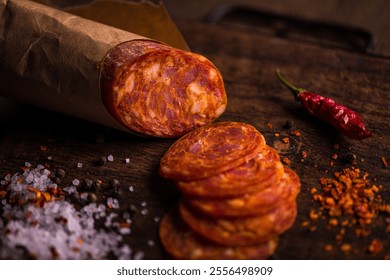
(156, 90)
(210, 150)
(259, 173)
(241, 231)
(181, 242)
(256, 203)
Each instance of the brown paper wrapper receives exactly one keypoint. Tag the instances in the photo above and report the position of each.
(53, 59)
(146, 18)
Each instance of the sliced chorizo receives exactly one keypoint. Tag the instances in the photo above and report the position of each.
(256, 203)
(210, 150)
(256, 174)
(241, 231)
(182, 243)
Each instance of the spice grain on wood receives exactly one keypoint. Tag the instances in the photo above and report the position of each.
(350, 202)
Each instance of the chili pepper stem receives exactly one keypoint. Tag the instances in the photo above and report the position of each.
(295, 90)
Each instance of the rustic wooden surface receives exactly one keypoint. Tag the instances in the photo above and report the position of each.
(247, 61)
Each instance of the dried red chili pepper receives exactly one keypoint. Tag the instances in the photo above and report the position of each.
(326, 109)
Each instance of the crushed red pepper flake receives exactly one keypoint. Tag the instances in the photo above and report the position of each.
(305, 223)
(375, 247)
(46, 196)
(43, 148)
(333, 222)
(286, 160)
(387, 228)
(295, 132)
(349, 201)
(269, 125)
(124, 225)
(344, 223)
(277, 134)
(328, 247)
(285, 140)
(385, 164)
(352, 194)
(313, 215)
(304, 154)
(346, 247)
(313, 228)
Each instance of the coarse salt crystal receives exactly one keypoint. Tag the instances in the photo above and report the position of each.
(112, 203)
(40, 167)
(127, 160)
(124, 252)
(139, 255)
(79, 165)
(110, 158)
(29, 178)
(143, 204)
(55, 229)
(84, 196)
(124, 230)
(109, 218)
(131, 188)
(101, 208)
(76, 182)
(70, 189)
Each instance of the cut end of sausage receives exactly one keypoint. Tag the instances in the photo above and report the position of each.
(164, 92)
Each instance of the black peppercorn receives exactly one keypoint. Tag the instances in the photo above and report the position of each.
(100, 138)
(102, 160)
(349, 158)
(92, 197)
(289, 124)
(60, 173)
(88, 185)
(96, 184)
(114, 183)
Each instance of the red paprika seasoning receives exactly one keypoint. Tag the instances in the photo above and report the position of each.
(326, 109)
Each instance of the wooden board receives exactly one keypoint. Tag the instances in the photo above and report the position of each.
(247, 62)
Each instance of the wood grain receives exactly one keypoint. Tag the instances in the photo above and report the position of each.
(247, 61)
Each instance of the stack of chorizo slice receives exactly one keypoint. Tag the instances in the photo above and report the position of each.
(237, 197)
